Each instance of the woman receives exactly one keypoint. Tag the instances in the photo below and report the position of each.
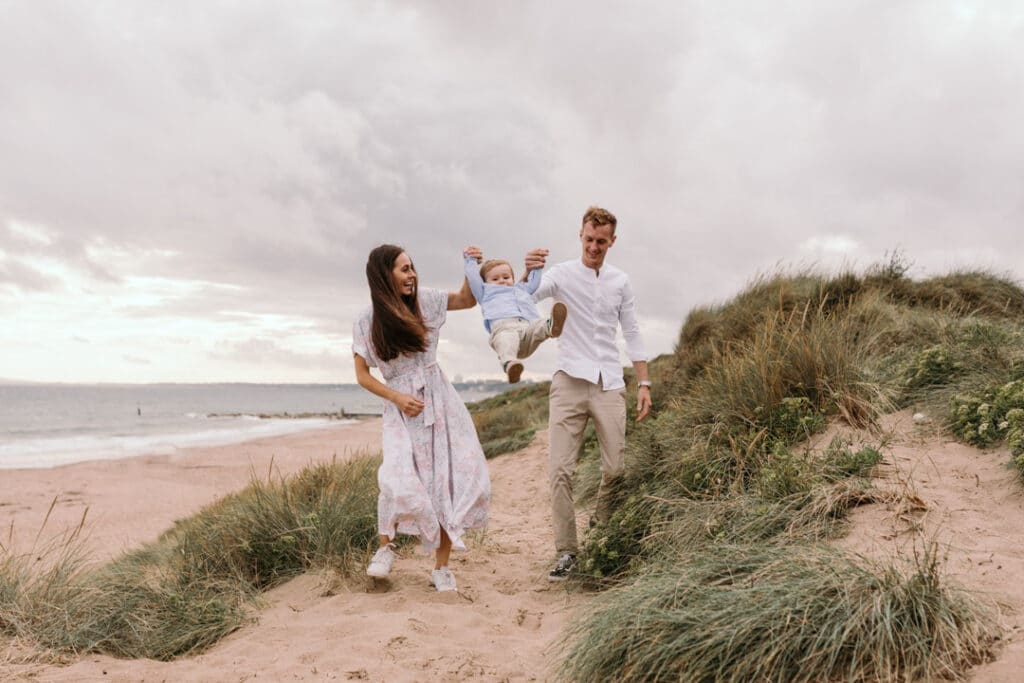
(433, 481)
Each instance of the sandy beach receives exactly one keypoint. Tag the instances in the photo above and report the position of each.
(500, 625)
(505, 622)
(130, 501)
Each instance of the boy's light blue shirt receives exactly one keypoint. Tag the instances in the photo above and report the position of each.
(501, 301)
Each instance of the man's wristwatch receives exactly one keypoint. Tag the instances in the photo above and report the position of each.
(644, 383)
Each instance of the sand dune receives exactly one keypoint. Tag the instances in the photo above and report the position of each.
(505, 622)
(971, 503)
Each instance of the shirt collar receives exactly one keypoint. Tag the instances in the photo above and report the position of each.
(584, 268)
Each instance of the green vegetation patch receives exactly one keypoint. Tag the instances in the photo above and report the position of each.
(196, 583)
(508, 422)
(756, 613)
(721, 476)
(986, 418)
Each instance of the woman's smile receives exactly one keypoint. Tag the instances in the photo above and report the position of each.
(404, 274)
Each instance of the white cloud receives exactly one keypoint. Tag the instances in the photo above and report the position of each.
(180, 179)
(26, 232)
(830, 244)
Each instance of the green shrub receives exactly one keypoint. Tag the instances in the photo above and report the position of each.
(844, 462)
(1008, 396)
(612, 547)
(784, 473)
(1015, 430)
(794, 419)
(984, 418)
(935, 365)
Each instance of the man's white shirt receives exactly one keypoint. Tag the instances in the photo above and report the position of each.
(598, 303)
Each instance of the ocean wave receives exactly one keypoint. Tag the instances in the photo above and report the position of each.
(53, 452)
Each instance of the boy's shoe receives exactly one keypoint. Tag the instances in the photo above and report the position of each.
(557, 320)
(443, 580)
(515, 370)
(566, 563)
(380, 565)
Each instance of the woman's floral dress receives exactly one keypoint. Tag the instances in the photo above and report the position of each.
(434, 472)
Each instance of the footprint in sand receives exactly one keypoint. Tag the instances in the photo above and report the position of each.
(374, 585)
(529, 620)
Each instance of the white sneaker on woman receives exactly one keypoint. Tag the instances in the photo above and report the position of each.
(443, 580)
(380, 565)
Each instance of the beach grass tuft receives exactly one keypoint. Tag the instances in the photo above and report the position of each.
(767, 613)
(199, 580)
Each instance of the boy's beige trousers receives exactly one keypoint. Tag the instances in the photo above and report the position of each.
(513, 338)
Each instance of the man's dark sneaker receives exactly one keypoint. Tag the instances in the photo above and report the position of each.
(566, 563)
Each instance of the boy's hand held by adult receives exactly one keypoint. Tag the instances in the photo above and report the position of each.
(535, 259)
(473, 251)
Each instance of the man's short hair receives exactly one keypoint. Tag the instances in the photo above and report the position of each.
(597, 217)
(491, 264)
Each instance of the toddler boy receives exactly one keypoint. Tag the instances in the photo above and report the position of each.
(510, 314)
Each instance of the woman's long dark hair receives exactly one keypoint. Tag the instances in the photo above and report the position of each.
(397, 326)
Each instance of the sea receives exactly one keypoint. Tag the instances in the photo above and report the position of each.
(47, 425)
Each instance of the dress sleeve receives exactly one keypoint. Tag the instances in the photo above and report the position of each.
(361, 339)
(434, 306)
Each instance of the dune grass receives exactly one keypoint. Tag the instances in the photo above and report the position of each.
(765, 613)
(722, 470)
(199, 580)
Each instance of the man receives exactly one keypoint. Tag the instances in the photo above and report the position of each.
(588, 382)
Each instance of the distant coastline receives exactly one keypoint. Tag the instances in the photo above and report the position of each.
(486, 385)
(49, 424)
(339, 415)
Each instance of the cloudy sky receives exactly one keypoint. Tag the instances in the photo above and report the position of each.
(188, 190)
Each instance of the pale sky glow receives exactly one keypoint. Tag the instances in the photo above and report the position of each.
(188, 190)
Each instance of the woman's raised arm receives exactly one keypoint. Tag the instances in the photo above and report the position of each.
(464, 298)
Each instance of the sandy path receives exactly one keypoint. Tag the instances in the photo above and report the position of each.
(973, 508)
(499, 627)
